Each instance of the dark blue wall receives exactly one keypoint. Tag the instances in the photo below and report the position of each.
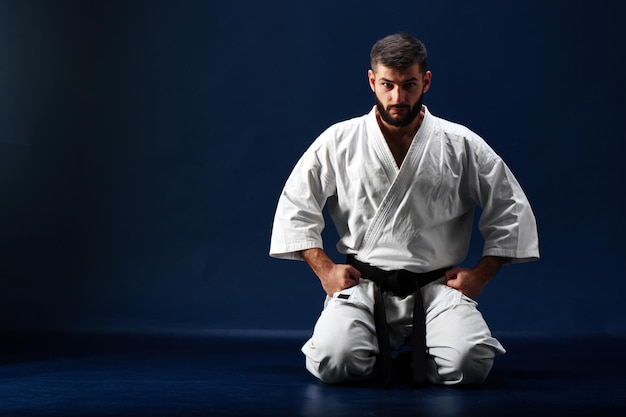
(143, 145)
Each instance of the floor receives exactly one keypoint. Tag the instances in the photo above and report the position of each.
(103, 374)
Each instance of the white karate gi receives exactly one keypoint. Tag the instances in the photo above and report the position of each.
(416, 217)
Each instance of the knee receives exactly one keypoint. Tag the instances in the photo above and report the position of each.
(470, 366)
(341, 367)
(474, 367)
(344, 355)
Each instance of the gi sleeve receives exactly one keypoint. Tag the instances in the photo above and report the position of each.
(299, 221)
(507, 222)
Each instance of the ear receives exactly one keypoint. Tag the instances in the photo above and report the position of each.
(372, 79)
(427, 79)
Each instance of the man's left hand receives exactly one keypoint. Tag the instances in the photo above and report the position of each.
(472, 281)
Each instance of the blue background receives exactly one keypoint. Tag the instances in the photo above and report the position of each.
(143, 146)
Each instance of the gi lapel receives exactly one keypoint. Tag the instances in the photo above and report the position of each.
(400, 178)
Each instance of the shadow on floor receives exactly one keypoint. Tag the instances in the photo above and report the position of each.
(252, 375)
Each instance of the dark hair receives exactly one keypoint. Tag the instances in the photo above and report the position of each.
(399, 51)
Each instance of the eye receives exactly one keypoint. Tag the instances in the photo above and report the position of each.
(409, 86)
(388, 86)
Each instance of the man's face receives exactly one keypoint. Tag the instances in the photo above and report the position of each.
(399, 93)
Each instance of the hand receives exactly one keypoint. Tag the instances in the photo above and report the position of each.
(339, 277)
(472, 281)
(334, 277)
(465, 280)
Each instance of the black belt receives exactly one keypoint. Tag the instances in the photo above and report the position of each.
(401, 283)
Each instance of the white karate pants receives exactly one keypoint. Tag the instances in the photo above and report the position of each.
(343, 347)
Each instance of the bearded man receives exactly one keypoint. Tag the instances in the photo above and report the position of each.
(401, 186)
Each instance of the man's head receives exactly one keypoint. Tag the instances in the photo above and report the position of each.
(399, 78)
(399, 52)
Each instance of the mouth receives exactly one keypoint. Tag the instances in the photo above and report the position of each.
(398, 109)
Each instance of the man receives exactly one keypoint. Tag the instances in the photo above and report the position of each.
(401, 186)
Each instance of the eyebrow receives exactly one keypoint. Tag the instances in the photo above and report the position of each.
(401, 82)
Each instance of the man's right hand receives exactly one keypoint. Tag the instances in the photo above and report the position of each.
(333, 277)
(339, 278)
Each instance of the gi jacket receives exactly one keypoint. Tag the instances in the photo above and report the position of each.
(418, 216)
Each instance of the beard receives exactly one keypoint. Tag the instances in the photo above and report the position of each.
(402, 121)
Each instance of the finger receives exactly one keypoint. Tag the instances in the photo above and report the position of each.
(454, 272)
(451, 274)
(354, 273)
(453, 284)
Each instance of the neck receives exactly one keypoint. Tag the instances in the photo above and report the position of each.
(400, 133)
(399, 138)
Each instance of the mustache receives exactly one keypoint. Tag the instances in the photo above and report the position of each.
(398, 106)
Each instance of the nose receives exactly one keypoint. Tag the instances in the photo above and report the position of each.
(397, 95)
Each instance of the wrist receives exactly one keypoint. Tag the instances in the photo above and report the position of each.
(488, 266)
(318, 261)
